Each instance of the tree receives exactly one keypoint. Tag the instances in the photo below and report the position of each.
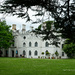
(62, 11)
(69, 49)
(49, 33)
(5, 36)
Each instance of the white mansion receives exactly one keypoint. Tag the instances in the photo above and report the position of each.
(27, 44)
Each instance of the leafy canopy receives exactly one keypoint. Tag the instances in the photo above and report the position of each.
(5, 35)
(69, 49)
(61, 10)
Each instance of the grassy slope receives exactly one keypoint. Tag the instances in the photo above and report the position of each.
(22, 66)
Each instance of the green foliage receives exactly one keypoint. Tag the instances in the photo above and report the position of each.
(62, 11)
(42, 53)
(48, 33)
(69, 49)
(47, 53)
(5, 35)
(56, 53)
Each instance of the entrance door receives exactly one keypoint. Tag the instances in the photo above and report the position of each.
(12, 53)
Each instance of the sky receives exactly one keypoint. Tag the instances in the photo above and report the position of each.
(19, 21)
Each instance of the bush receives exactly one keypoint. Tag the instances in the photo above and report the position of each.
(69, 49)
(42, 53)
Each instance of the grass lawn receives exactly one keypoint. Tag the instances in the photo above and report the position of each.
(24, 66)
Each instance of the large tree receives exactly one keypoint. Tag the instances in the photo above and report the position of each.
(6, 36)
(62, 11)
(69, 49)
(49, 32)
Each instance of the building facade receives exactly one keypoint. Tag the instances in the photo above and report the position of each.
(28, 45)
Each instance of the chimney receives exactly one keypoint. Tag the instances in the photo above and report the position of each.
(23, 27)
(14, 27)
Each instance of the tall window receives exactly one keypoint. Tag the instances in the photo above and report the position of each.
(24, 53)
(46, 52)
(24, 44)
(36, 44)
(62, 53)
(35, 53)
(30, 44)
(62, 45)
(13, 43)
(46, 44)
(30, 53)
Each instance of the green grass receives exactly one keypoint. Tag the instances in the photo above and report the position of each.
(23, 66)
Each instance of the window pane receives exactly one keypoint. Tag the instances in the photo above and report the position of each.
(36, 53)
(62, 53)
(29, 44)
(36, 44)
(24, 44)
(24, 53)
(29, 52)
(46, 44)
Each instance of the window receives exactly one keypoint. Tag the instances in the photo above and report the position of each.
(36, 44)
(29, 44)
(35, 53)
(24, 53)
(24, 37)
(30, 53)
(24, 44)
(13, 43)
(62, 45)
(46, 52)
(62, 53)
(46, 44)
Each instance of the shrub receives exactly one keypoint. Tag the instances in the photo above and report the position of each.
(69, 49)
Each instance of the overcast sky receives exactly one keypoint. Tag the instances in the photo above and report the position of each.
(19, 21)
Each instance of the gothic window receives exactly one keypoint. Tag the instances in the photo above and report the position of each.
(62, 45)
(13, 43)
(24, 53)
(46, 52)
(24, 44)
(35, 53)
(36, 44)
(30, 53)
(30, 44)
(46, 44)
(62, 53)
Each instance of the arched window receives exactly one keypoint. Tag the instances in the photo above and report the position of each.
(46, 44)
(24, 44)
(35, 53)
(24, 53)
(46, 52)
(30, 53)
(36, 44)
(30, 44)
